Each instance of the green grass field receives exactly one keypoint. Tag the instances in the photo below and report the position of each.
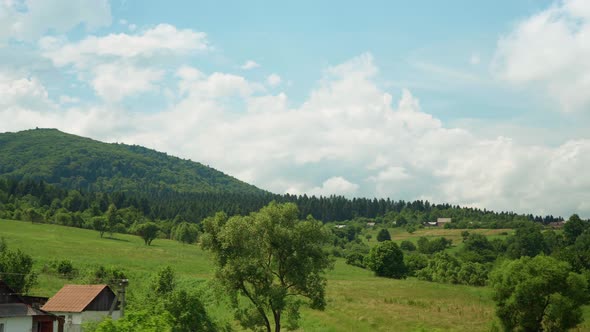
(357, 301)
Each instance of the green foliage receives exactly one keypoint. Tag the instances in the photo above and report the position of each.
(442, 267)
(538, 294)
(16, 269)
(407, 245)
(147, 231)
(271, 258)
(383, 235)
(426, 246)
(573, 228)
(356, 253)
(415, 262)
(164, 282)
(188, 313)
(144, 320)
(477, 248)
(387, 260)
(527, 241)
(185, 233)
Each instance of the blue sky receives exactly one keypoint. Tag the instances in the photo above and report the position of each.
(473, 103)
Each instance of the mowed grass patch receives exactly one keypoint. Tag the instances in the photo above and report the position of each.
(358, 301)
(86, 248)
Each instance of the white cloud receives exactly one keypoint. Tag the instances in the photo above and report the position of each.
(113, 82)
(349, 137)
(64, 99)
(550, 50)
(250, 64)
(28, 20)
(23, 92)
(335, 186)
(120, 65)
(474, 59)
(163, 39)
(273, 80)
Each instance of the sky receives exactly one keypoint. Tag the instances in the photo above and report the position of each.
(483, 104)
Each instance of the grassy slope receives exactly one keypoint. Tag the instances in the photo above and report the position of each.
(78, 162)
(357, 301)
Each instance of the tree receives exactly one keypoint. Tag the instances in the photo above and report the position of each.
(407, 245)
(99, 224)
(527, 241)
(573, 228)
(383, 235)
(538, 294)
(387, 260)
(16, 269)
(272, 259)
(148, 231)
(185, 233)
(112, 218)
(164, 282)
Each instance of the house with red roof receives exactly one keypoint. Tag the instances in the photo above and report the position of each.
(77, 304)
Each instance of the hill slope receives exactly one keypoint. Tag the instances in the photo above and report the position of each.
(77, 162)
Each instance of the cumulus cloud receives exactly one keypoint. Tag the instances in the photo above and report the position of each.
(23, 93)
(28, 20)
(162, 39)
(250, 64)
(549, 50)
(121, 65)
(113, 82)
(349, 137)
(335, 186)
(273, 80)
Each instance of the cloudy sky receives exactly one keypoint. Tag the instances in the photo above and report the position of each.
(468, 102)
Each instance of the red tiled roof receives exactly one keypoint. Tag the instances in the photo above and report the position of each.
(73, 298)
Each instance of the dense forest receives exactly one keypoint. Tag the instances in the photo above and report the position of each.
(75, 162)
(22, 199)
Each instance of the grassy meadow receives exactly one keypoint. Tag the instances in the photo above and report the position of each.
(357, 301)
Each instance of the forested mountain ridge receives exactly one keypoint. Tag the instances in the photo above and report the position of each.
(75, 162)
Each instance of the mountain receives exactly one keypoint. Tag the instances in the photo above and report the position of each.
(75, 162)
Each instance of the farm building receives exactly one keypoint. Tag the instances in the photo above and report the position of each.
(78, 304)
(441, 222)
(19, 313)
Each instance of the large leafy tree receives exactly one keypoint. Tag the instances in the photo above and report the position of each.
(538, 294)
(269, 262)
(148, 231)
(387, 260)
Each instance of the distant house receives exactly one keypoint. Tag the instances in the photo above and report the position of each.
(340, 226)
(556, 224)
(441, 222)
(370, 224)
(77, 304)
(432, 223)
(19, 313)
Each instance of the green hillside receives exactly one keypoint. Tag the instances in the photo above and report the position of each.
(76, 162)
(357, 301)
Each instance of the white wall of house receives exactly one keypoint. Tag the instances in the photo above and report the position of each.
(17, 324)
(74, 320)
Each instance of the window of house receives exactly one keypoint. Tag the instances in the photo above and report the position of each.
(1, 327)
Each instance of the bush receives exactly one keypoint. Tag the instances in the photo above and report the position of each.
(387, 260)
(415, 262)
(383, 235)
(407, 246)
